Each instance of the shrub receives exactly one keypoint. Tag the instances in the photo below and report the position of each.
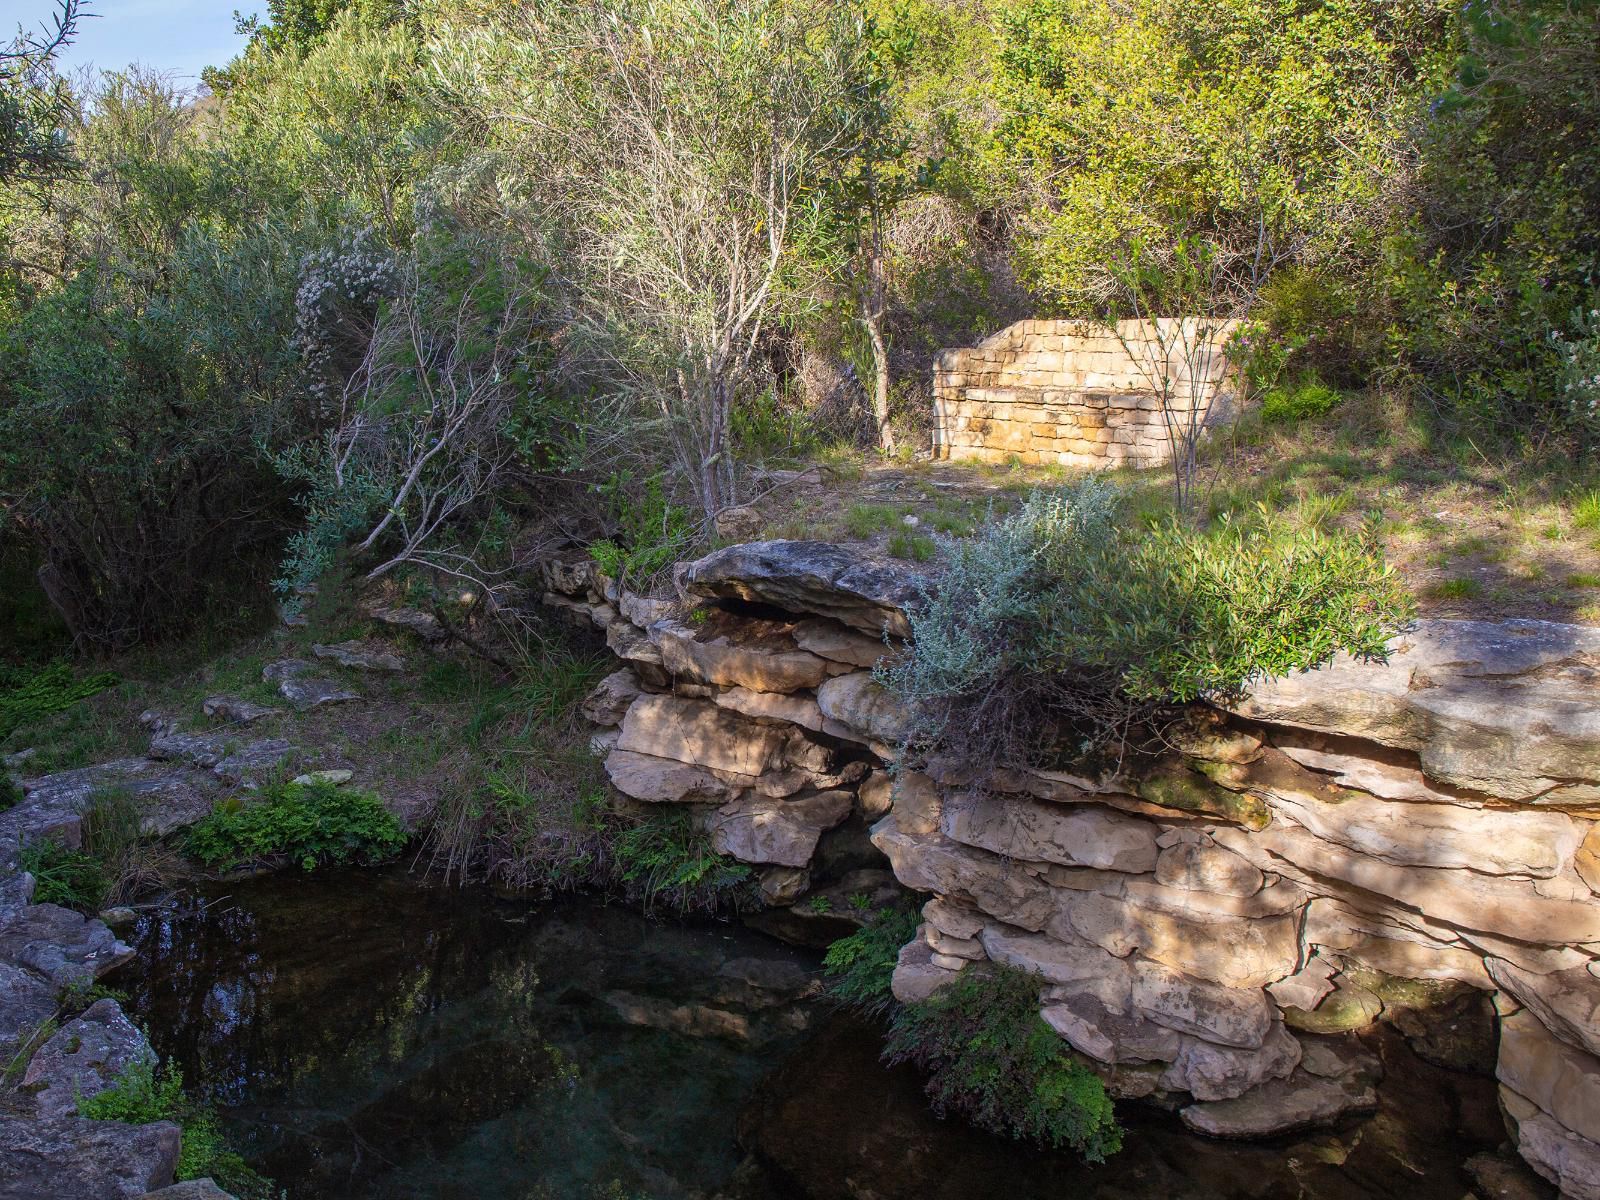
(10, 791)
(651, 533)
(315, 824)
(669, 860)
(992, 1059)
(1061, 627)
(1308, 399)
(860, 964)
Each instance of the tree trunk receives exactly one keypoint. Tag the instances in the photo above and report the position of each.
(872, 307)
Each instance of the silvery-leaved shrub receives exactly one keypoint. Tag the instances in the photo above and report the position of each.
(1067, 627)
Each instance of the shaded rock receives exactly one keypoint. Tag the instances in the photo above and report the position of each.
(52, 805)
(304, 691)
(64, 947)
(693, 731)
(1505, 708)
(358, 656)
(917, 803)
(603, 742)
(782, 886)
(771, 706)
(833, 641)
(119, 917)
(1387, 945)
(1190, 792)
(781, 832)
(1090, 1028)
(1567, 1003)
(1562, 1080)
(1211, 1072)
(26, 1002)
(858, 708)
(1230, 1016)
(720, 662)
(1306, 987)
(84, 1160)
(916, 976)
(190, 1189)
(425, 625)
(1567, 1160)
(1501, 1177)
(83, 1058)
(334, 778)
(956, 872)
(609, 700)
(220, 753)
(951, 919)
(235, 710)
(665, 780)
(1204, 866)
(1082, 967)
(1347, 1007)
(644, 611)
(1016, 827)
(875, 795)
(1378, 770)
(1304, 1100)
(809, 577)
(629, 643)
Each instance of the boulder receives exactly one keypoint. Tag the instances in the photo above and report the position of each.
(694, 731)
(1505, 708)
(607, 703)
(85, 1160)
(809, 578)
(64, 947)
(1204, 866)
(1208, 1071)
(858, 708)
(1240, 1017)
(782, 886)
(950, 946)
(720, 662)
(875, 795)
(833, 641)
(1018, 827)
(84, 1057)
(781, 832)
(667, 781)
(1083, 968)
(771, 707)
(358, 656)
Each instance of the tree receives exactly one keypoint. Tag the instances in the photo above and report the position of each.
(34, 106)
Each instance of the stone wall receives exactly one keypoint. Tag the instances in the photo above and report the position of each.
(1075, 394)
(1358, 843)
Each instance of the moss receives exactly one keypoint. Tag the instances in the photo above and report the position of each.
(1188, 792)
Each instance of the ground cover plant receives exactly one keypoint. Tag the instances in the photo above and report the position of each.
(313, 824)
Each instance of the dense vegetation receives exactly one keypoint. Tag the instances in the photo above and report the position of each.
(420, 276)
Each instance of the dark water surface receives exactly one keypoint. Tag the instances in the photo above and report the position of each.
(367, 1035)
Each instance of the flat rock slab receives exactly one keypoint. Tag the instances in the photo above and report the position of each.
(425, 625)
(53, 805)
(62, 946)
(358, 656)
(222, 754)
(817, 578)
(1501, 707)
(235, 710)
(84, 1058)
(190, 1189)
(302, 690)
(84, 1160)
(779, 832)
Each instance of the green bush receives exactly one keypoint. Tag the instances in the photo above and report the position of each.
(669, 860)
(1309, 398)
(651, 533)
(143, 1094)
(315, 824)
(1065, 624)
(990, 1057)
(859, 965)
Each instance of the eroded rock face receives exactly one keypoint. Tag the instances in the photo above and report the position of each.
(610, 699)
(809, 577)
(1086, 836)
(857, 707)
(694, 731)
(779, 831)
(83, 1058)
(721, 662)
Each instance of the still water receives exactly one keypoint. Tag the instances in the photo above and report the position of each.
(366, 1034)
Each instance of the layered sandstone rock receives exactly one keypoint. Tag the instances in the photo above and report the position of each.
(1206, 929)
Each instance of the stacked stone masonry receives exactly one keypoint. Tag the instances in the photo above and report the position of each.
(1210, 930)
(1079, 395)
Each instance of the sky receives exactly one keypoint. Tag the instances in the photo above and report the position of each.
(179, 36)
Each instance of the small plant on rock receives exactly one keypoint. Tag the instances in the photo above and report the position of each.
(860, 964)
(990, 1057)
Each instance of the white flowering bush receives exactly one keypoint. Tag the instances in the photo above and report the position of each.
(336, 306)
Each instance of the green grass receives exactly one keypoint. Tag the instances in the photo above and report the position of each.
(864, 520)
(114, 863)
(1583, 580)
(1586, 511)
(913, 546)
(64, 876)
(1457, 589)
